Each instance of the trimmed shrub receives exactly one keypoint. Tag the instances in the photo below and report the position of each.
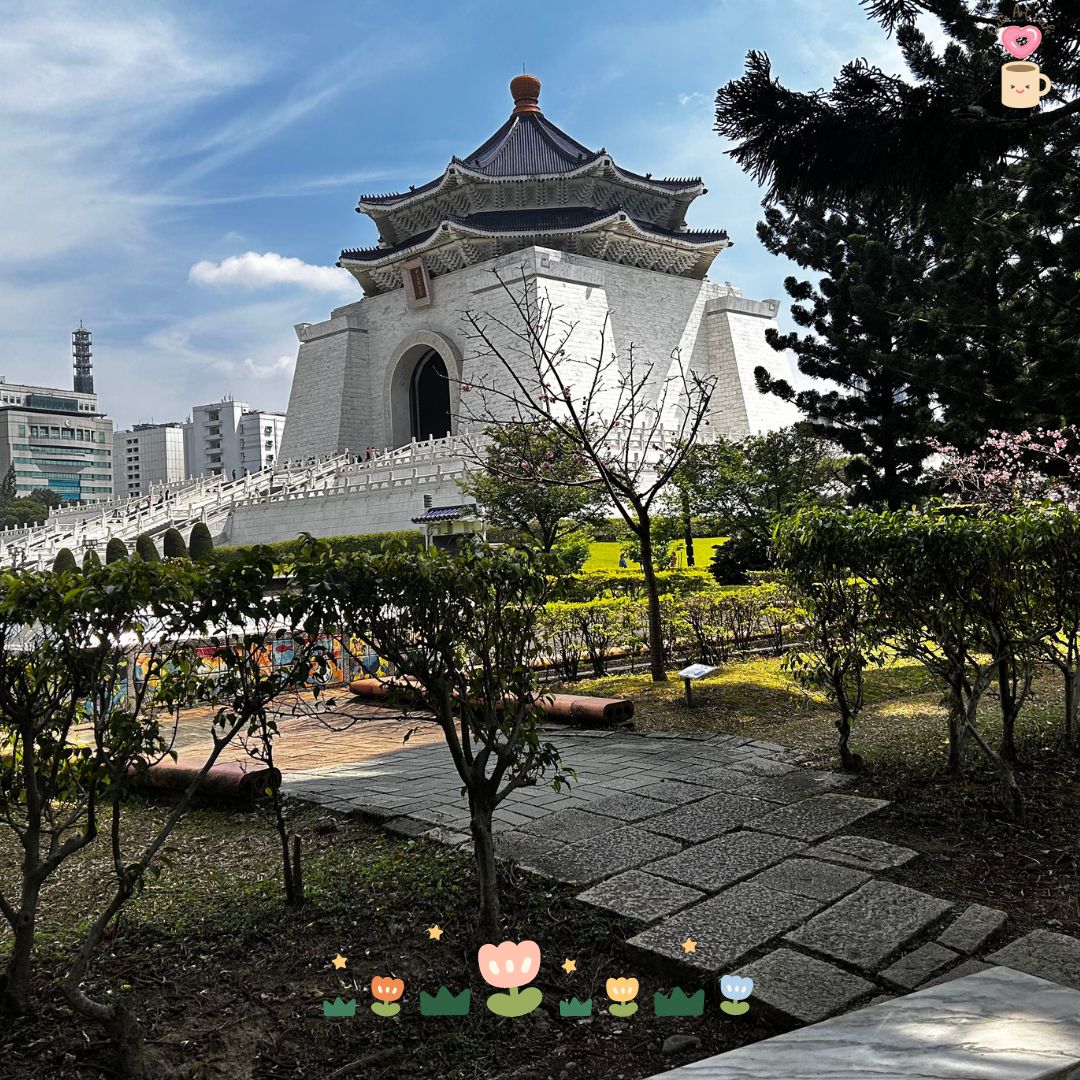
(64, 561)
(201, 543)
(146, 549)
(91, 561)
(173, 546)
(115, 550)
(368, 543)
(597, 584)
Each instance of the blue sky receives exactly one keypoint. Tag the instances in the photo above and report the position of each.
(182, 176)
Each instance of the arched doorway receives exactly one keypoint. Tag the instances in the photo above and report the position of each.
(429, 398)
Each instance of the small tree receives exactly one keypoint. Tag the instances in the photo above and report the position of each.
(115, 550)
(9, 487)
(463, 628)
(91, 561)
(200, 543)
(631, 421)
(530, 480)
(146, 549)
(64, 562)
(173, 546)
(843, 640)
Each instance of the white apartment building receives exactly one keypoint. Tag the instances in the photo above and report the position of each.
(146, 455)
(228, 438)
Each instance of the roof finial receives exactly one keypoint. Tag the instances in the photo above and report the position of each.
(525, 90)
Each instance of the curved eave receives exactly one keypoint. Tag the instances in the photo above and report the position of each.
(702, 241)
(374, 204)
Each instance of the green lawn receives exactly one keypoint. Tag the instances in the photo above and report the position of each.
(604, 555)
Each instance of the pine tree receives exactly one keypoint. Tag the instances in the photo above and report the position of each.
(173, 546)
(994, 192)
(861, 340)
(9, 488)
(146, 549)
(64, 562)
(200, 543)
(115, 551)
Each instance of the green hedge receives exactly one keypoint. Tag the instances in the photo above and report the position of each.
(597, 584)
(371, 543)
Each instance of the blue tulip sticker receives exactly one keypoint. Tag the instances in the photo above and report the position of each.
(736, 989)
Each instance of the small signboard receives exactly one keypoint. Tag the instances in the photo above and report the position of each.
(696, 671)
(688, 674)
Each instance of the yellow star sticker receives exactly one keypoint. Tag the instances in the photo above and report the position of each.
(689, 945)
(339, 961)
(569, 965)
(435, 932)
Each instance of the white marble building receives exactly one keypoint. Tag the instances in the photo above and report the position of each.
(549, 215)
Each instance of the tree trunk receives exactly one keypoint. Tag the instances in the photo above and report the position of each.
(480, 809)
(956, 722)
(15, 984)
(1072, 686)
(126, 1038)
(656, 634)
(297, 873)
(1007, 701)
(688, 528)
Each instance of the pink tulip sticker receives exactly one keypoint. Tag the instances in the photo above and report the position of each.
(511, 966)
(1020, 41)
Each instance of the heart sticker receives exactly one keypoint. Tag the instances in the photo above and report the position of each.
(1021, 41)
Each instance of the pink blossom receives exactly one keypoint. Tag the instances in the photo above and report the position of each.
(510, 964)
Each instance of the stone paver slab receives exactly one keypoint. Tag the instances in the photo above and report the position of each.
(640, 895)
(973, 928)
(703, 820)
(763, 766)
(627, 807)
(968, 967)
(1045, 954)
(601, 856)
(867, 927)
(570, 825)
(725, 928)
(916, 967)
(721, 862)
(802, 989)
(997, 1025)
(809, 877)
(813, 818)
(675, 792)
(862, 852)
(522, 847)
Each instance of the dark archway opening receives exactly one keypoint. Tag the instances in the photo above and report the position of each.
(429, 398)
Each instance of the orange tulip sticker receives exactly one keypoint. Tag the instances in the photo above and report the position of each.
(622, 993)
(387, 991)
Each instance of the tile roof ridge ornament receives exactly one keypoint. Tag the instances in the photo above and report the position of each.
(525, 90)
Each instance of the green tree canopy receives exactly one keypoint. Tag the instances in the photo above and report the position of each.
(533, 482)
(200, 543)
(861, 341)
(91, 561)
(146, 549)
(115, 550)
(173, 546)
(64, 561)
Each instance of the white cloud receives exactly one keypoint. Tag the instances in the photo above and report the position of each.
(253, 270)
(695, 97)
(280, 368)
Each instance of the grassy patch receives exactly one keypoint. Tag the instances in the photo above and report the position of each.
(604, 554)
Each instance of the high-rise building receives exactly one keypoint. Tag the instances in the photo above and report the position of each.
(146, 455)
(230, 439)
(56, 439)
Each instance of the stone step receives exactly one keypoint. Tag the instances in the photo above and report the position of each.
(1000, 1024)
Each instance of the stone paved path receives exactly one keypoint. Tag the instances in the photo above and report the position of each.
(731, 843)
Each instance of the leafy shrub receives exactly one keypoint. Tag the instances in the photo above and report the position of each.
(173, 546)
(201, 543)
(146, 549)
(285, 551)
(115, 550)
(91, 561)
(597, 584)
(64, 561)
